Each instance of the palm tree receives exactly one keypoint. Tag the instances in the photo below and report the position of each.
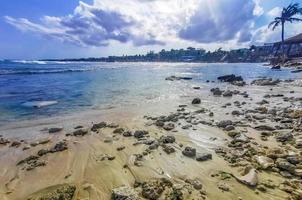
(287, 15)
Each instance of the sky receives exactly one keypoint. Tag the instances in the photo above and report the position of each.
(39, 29)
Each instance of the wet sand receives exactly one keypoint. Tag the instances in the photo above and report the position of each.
(104, 158)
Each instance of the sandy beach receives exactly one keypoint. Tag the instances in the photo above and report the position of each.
(239, 143)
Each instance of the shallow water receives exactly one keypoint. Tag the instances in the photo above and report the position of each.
(31, 90)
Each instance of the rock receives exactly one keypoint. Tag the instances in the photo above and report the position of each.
(283, 137)
(127, 134)
(159, 123)
(140, 133)
(298, 143)
(250, 178)
(58, 192)
(203, 156)
(167, 139)
(118, 131)
(195, 183)
(97, 126)
(112, 125)
(265, 128)
(15, 144)
(233, 134)
(169, 126)
(189, 152)
(223, 186)
(216, 91)
(236, 112)
(224, 123)
(241, 138)
(168, 149)
(293, 159)
(177, 78)
(4, 141)
(28, 159)
(31, 163)
(43, 152)
(265, 82)
(227, 93)
(230, 78)
(283, 164)
(264, 162)
(55, 129)
(196, 101)
(80, 132)
(275, 153)
(124, 193)
(121, 148)
(152, 190)
(276, 67)
(229, 128)
(60, 146)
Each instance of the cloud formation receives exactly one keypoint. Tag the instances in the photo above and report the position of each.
(149, 22)
(220, 21)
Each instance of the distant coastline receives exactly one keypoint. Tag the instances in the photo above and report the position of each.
(193, 55)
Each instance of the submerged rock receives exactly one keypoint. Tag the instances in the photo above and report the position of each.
(177, 78)
(230, 78)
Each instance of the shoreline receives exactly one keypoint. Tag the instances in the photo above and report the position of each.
(95, 161)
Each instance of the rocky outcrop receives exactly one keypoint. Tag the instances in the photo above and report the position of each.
(58, 192)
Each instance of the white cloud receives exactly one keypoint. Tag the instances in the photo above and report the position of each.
(275, 12)
(149, 22)
(266, 35)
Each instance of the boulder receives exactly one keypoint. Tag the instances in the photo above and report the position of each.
(227, 93)
(196, 101)
(169, 126)
(250, 178)
(80, 132)
(140, 133)
(124, 193)
(224, 123)
(97, 126)
(189, 152)
(167, 139)
(203, 156)
(216, 91)
(264, 162)
(283, 164)
(230, 78)
(283, 137)
(168, 149)
(58, 192)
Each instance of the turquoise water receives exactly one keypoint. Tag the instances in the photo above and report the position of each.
(39, 89)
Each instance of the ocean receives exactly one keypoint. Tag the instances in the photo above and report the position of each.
(36, 89)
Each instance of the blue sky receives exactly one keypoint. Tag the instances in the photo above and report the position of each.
(36, 29)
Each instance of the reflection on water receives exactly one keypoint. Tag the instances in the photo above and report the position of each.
(80, 86)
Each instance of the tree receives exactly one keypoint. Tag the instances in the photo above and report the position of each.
(287, 15)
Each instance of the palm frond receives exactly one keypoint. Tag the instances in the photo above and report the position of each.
(293, 19)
